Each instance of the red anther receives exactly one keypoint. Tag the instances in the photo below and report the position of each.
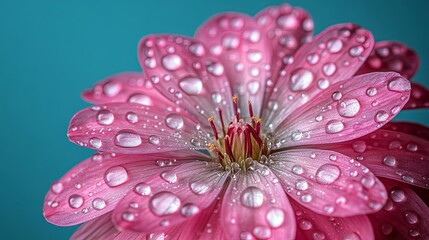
(228, 148)
(221, 120)
(235, 101)
(211, 120)
(248, 143)
(255, 135)
(251, 113)
(258, 126)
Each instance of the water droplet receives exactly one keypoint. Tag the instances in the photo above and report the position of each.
(132, 117)
(305, 225)
(169, 177)
(386, 228)
(368, 181)
(399, 84)
(356, 51)
(253, 87)
(95, 142)
(334, 126)
(336, 96)
(127, 138)
(141, 99)
(414, 232)
(273, 105)
(197, 49)
(154, 139)
(323, 83)
(328, 209)
(142, 189)
(275, 217)
(351, 236)
(359, 146)
(297, 135)
(301, 79)
(301, 184)
(112, 89)
(189, 210)
(164, 203)
(57, 187)
(381, 116)
(348, 107)
(174, 121)
(407, 178)
(262, 232)
(172, 62)
(288, 21)
(297, 169)
(199, 187)
(216, 97)
(150, 62)
(116, 176)
(75, 201)
(313, 58)
(105, 117)
(327, 173)
(397, 195)
(191, 85)
(252, 197)
(412, 147)
(98, 203)
(216, 69)
(389, 161)
(329, 69)
(411, 217)
(371, 91)
(129, 217)
(306, 198)
(254, 56)
(230, 42)
(335, 45)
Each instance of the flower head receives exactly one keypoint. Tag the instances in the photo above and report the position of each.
(251, 130)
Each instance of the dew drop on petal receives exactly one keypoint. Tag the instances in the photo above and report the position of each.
(164, 203)
(301, 79)
(252, 197)
(334, 126)
(399, 85)
(57, 187)
(191, 85)
(141, 99)
(397, 195)
(335, 45)
(142, 189)
(381, 116)
(351, 236)
(327, 173)
(127, 138)
(301, 184)
(172, 62)
(95, 142)
(98, 203)
(348, 107)
(297, 169)
(75, 201)
(306, 198)
(275, 217)
(371, 91)
(199, 187)
(411, 217)
(261, 232)
(116, 176)
(105, 117)
(189, 210)
(305, 224)
(174, 121)
(389, 160)
(154, 139)
(356, 51)
(329, 69)
(169, 177)
(132, 117)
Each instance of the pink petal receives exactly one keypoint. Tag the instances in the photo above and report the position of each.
(126, 87)
(398, 156)
(328, 182)
(244, 51)
(405, 215)
(170, 198)
(348, 110)
(94, 187)
(311, 225)
(333, 56)
(287, 28)
(409, 128)
(419, 97)
(255, 206)
(135, 128)
(392, 56)
(183, 71)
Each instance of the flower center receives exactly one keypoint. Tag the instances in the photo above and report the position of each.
(241, 143)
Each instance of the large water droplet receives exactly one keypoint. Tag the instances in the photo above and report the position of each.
(397, 195)
(57, 187)
(348, 107)
(174, 121)
(301, 184)
(164, 203)
(381, 116)
(334, 126)
(199, 187)
(297, 169)
(252, 197)
(141, 99)
(216, 69)
(399, 85)
(189, 210)
(254, 56)
(335, 45)
(275, 217)
(356, 51)
(116, 176)
(288, 21)
(411, 217)
(105, 117)
(75, 201)
(112, 89)
(98, 203)
(127, 138)
(253, 87)
(142, 189)
(172, 62)
(95, 142)
(191, 85)
(329, 69)
(327, 173)
(389, 161)
(301, 79)
(169, 177)
(351, 236)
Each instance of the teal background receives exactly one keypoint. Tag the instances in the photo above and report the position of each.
(52, 50)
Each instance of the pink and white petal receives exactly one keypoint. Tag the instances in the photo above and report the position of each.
(255, 206)
(394, 155)
(419, 97)
(99, 228)
(415, 129)
(126, 87)
(311, 225)
(94, 187)
(333, 56)
(245, 53)
(405, 215)
(346, 111)
(135, 129)
(328, 183)
(390, 56)
(182, 70)
(170, 198)
(287, 28)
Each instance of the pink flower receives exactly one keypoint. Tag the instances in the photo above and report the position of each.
(248, 131)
